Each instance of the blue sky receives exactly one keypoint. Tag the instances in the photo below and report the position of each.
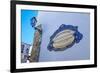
(27, 31)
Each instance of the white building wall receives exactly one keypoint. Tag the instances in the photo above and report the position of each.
(50, 23)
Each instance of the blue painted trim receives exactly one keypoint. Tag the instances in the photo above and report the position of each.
(33, 21)
(78, 36)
